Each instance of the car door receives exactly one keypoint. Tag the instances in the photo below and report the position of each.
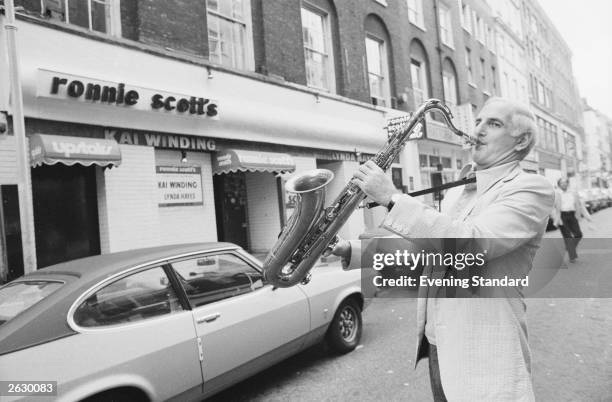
(243, 324)
(135, 328)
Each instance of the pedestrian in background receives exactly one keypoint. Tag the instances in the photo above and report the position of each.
(569, 209)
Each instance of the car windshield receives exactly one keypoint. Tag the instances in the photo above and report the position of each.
(19, 296)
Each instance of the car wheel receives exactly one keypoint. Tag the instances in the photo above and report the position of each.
(344, 332)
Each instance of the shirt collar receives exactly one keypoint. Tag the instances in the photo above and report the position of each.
(488, 177)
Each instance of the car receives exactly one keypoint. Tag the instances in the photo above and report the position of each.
(589, 200)
(179, 322)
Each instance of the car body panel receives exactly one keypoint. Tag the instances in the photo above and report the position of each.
(252, 330)
(141, 353)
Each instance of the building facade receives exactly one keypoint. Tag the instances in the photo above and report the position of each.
(154, 124)
(553, 95)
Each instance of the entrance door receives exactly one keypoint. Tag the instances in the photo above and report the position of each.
(65, 213)
(230, 208)
(10, 234)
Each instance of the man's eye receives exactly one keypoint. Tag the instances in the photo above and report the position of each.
(495, 124)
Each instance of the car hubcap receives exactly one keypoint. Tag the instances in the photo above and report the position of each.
(348, 324)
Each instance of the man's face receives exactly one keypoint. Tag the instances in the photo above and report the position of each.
(563, 184)
(495, 144)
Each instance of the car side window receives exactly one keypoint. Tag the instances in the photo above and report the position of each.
(139, 296)
(207, 279)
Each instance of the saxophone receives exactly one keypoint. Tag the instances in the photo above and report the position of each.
(312, 229)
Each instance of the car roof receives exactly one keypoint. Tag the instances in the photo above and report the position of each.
(46, 321)
(99, 266)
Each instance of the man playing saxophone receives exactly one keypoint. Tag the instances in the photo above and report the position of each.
(477, 347)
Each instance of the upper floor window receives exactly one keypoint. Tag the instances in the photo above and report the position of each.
(449, 84)
(418, 73)
(446, 27)
(317, 49)
(415, 13)
(229, 33)
(468, 65)
(378, 72)
(466, 17)
(95, 15)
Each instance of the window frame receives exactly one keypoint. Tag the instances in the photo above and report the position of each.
(421, 65)
(328, 43)
(446, 25)
(417, 11)
(247, 261)
(118, 277)
(112, 18)
(249, 51)
(449, 80)
(384, 66)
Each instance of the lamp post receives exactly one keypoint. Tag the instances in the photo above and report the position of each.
(24, 184)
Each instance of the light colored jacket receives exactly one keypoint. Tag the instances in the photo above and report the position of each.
(580, 210)
(482, 342)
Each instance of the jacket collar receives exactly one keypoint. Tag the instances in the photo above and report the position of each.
(486, 178)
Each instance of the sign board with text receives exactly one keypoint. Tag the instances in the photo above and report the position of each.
(179, 185)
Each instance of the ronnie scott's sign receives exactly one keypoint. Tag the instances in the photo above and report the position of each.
(51, 84)
(179, 185)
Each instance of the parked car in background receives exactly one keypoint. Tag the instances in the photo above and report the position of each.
(167, 323)
(588, 200)
(606, 196)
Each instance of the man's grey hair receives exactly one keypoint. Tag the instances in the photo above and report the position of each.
(523, 122)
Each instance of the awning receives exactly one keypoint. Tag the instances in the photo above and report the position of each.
(239, 160)
(51, 149)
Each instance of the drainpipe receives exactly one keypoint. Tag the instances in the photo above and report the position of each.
(24, 183)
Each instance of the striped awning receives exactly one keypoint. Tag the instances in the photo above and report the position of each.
(48, 149)
(240, 160)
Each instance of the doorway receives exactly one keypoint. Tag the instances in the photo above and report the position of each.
(65, 213)
(231, 208)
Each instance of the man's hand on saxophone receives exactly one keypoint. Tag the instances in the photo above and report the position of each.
(373, 181)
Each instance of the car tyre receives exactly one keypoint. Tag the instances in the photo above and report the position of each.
(344, 332)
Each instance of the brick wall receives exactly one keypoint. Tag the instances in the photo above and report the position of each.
(127, 202)
(188, 224)
(177, 24)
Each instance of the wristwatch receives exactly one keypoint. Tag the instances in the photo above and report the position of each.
(394, 198)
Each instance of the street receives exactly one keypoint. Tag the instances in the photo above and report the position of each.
(570, 340)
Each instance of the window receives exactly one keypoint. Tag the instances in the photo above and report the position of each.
(95, 15)
(317, 50)
(423, 160)
(447, 163)
(415, 13)
(19, 296)
(140, 296)
(419, 81)
(468, 65)
(449, 84)
(208, 279)
(446, 27)
(483, 76)
(493, 80)
(396, 177)
(377, 71)
(466, 17)
(228, 36)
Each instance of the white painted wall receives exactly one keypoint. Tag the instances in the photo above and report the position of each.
(187, 224)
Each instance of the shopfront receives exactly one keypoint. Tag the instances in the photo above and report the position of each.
(170, 122)
(64, 194)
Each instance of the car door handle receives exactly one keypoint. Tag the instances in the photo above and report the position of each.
(208, 318)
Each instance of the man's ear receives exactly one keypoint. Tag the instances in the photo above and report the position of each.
(522, 141)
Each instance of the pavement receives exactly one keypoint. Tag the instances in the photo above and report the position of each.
(570, 339)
